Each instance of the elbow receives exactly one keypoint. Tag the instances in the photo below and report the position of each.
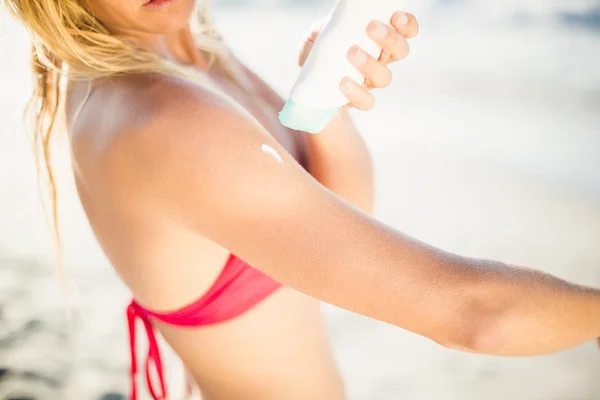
(480, 341)
(476, 327)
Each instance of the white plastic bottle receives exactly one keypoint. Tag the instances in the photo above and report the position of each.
(316, 96)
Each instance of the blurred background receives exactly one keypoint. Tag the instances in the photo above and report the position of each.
(487, 144)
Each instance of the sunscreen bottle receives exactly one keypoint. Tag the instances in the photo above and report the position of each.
(316, 96)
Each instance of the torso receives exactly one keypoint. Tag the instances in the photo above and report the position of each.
(276, 350)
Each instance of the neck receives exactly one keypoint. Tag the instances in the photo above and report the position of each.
(178, 46)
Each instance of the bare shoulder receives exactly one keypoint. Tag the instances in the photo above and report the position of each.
(131, 127)
(121, 111)
(153, 140)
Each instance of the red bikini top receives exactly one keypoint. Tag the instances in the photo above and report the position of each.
(237, 289)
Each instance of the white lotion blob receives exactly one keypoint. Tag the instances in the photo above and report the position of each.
(272, 152)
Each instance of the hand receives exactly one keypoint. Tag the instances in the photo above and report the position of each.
(392, 39)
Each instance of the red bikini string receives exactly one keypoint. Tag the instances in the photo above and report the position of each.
(134, 312)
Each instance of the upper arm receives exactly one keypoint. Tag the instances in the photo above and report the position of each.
(205, 166)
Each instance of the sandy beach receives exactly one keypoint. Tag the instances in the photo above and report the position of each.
(486, 145)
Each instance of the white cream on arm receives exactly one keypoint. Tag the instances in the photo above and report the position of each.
(316, 96)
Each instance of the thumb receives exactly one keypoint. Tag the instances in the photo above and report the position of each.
(305, 51)
(309, 41)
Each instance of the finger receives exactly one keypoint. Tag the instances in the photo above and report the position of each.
(376, 73)
(304, 51)
(309, 41)
(405, 24)
(385, 57)
(315, 29)
(388, 39)
(358, 96)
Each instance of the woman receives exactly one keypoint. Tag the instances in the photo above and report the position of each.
(187, 179)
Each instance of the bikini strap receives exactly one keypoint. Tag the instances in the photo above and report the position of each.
(134, 311)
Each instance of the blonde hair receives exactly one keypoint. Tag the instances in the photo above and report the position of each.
(69, 42)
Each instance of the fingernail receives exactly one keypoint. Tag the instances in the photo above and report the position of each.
(380, 29)
(360, 56)
(402, 18)
(348, 86)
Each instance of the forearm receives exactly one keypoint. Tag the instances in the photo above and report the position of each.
(530, 312)
(479, 306)
(512, 311)
(339, 159)
(505, 310)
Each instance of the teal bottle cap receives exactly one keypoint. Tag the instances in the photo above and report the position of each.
(300, 118)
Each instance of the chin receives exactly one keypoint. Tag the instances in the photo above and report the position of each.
(169, 20)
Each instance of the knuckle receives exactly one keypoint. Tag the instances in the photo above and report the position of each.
(402, 50)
